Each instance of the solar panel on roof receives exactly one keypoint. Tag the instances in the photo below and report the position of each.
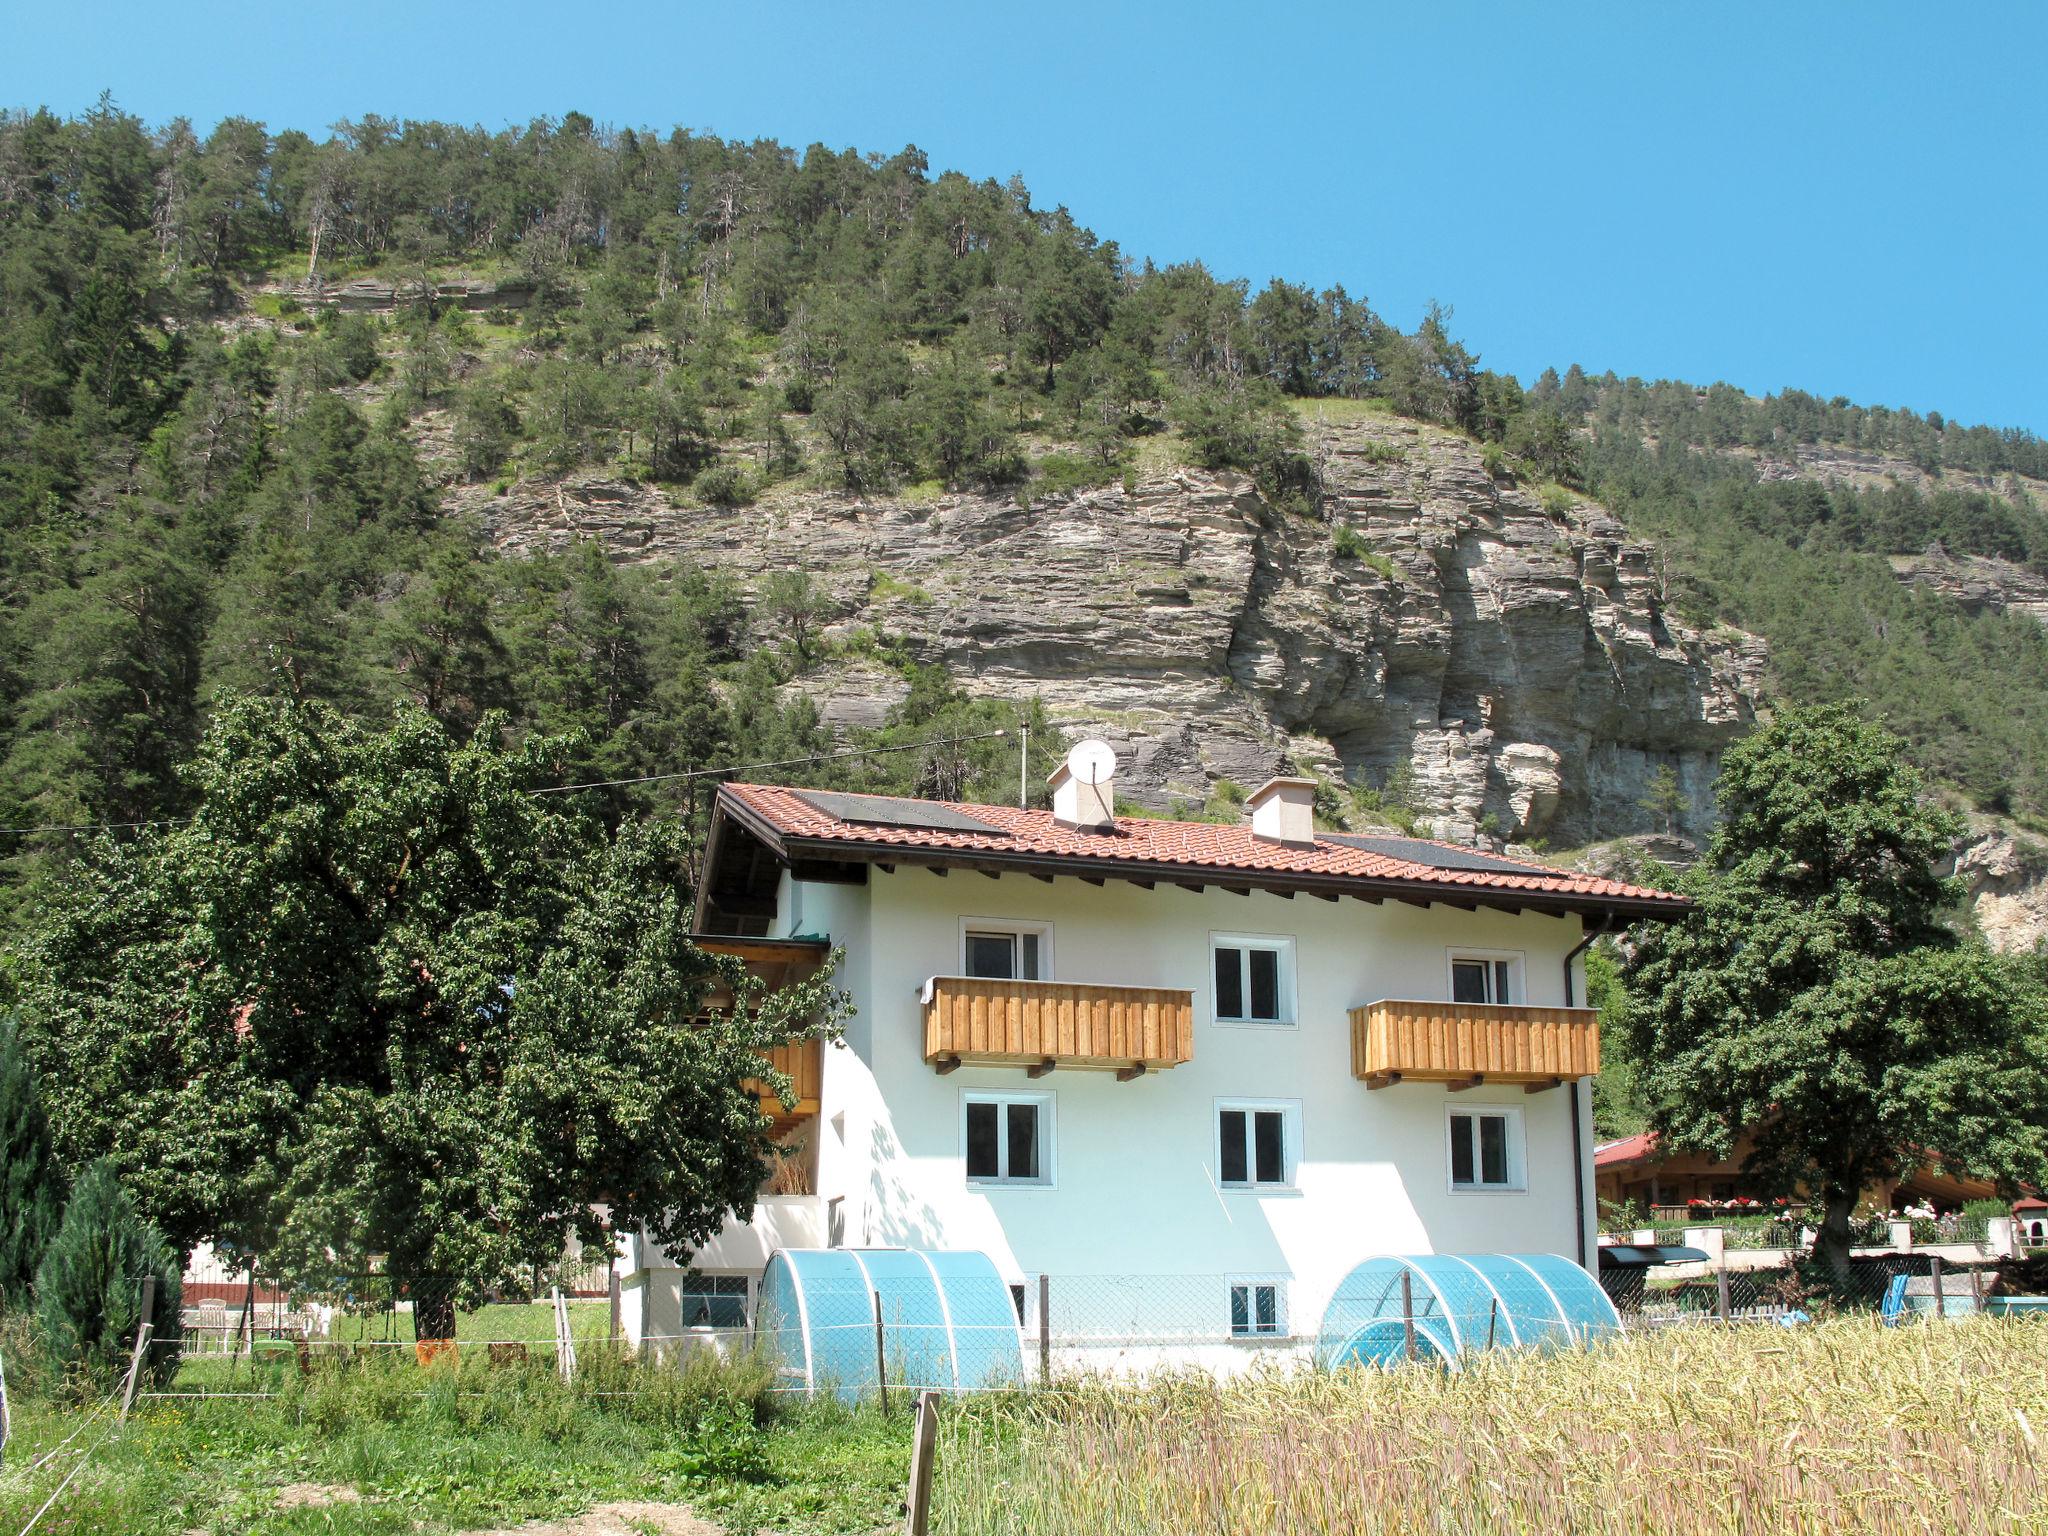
(887, 811)
(1434, 855)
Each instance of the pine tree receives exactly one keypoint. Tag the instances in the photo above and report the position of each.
(31, 1183)
(89, 1288)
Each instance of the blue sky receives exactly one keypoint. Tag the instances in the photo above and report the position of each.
(1843, 197)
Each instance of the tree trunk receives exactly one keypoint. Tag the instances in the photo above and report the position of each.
(433, 1315)
(1833, 1244)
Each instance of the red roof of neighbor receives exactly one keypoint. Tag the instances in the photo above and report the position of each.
(1198, 848)
(1630, 1149)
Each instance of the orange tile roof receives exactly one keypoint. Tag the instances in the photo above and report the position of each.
(1141, 847)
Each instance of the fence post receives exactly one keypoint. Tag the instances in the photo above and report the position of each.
(1408, 1313)
(565, 1345)
(617, 1301)
(881, 1358)
(144, 1320)
(1934, 1269)
(1721, 1292)
(1045, 1330)
(924, 1445)
(1977, 1287)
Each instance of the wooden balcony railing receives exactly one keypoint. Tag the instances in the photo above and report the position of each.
(804, 1061)
(1466, 1044)
(1040, 1025)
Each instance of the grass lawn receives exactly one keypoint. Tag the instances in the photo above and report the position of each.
(387, 1447)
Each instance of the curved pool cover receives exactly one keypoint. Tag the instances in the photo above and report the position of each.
(1461, 1303)
(948, 1321)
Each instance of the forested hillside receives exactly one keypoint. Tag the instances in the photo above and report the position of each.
(244, 376)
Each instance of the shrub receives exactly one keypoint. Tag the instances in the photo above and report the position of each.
(89, 1288)
(1493, 458)
(1380, 453)
(1062, 474)
(31, 1183)
(1556, 499)
(725, 484)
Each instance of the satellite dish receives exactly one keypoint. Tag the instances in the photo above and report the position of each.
(1092, 762)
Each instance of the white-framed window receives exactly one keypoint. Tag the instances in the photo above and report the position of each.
(1007, 1138)
(1251, 977)
(1486, 1147)
(1258, 1306)
(1486, 976)
(1001, 950)
(715, 1301)
(1257, 1142)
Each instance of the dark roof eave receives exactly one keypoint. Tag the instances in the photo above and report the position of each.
(1558, 902)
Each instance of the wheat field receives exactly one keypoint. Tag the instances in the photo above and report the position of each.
(1839, 1427)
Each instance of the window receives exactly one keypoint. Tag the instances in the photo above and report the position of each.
(1486, 1149)
(1255, 1309)
(1254, 979)
(1253, 1144)
(1483, 978)
(1008, 1137)
(1005, 951)
(714, 1301)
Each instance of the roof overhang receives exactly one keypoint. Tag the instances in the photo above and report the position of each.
(823, 852)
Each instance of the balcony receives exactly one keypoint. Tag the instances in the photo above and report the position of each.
(804, 1061)
(1466, 1044)
(1040, 1025)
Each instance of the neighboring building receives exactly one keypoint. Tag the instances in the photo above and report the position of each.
(1668, 1185)
(1235, 1059)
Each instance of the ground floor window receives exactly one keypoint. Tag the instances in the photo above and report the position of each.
(1255, 1309)
(714, 1301)
(1486, 1148)
(1008, 1138)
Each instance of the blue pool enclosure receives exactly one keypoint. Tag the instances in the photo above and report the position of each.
(1460, 1303)
(948, 1321)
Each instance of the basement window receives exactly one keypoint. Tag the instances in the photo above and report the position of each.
(714, 1301)
(1256, 1309)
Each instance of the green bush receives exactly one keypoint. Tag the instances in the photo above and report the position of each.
(725, 484)
(1063, 474)
(89, 1289)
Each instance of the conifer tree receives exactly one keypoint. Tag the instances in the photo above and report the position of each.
(31, 1182)
(89, 1288)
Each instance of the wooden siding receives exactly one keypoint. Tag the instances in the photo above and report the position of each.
(1457, 1042)
(1073, 1024)
(804, 1061)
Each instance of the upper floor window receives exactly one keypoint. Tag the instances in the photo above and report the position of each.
(1481, 977)
(1486, 1148)
(1255, 1143)
(1254, 979)
(1000, 951)
(1008, 1137)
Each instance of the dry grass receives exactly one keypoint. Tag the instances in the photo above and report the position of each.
(1836, 1428)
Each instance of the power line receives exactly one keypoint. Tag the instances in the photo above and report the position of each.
(787, 762)
(564, 789)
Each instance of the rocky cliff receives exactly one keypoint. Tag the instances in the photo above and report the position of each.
(1512, 660)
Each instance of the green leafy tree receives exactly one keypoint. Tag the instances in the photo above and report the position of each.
(89, 1289)
(791, 599)
(1665, 799)
(31, 1182)
(1815, 997)
(380, 997)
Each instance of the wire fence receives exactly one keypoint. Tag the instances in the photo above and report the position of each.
(1044, 1329)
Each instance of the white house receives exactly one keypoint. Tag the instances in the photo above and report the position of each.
(1193, 1072)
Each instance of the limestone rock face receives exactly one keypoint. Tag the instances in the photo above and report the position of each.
(1976, 584)
(2005, 880)
(1517, 666)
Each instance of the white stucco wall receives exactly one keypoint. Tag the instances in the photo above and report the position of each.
(1135, 1189)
